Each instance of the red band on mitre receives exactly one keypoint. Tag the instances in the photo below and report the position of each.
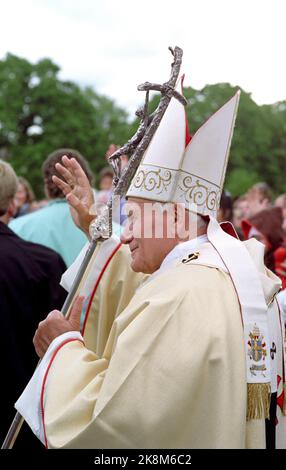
(188, 135)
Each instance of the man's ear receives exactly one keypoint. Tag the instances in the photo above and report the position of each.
(182, 222)
(12, 209)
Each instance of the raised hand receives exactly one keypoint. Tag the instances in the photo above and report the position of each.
(77, 191)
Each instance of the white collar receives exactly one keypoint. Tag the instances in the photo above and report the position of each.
(179, 251)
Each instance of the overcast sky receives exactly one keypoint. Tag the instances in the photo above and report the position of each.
(114, 45)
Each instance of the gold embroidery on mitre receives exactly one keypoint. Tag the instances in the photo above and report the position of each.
(177, 185)
(153, 180)
(200, 193)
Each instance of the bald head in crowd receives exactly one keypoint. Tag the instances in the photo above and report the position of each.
(259, 197)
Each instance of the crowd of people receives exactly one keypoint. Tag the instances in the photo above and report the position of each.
(260, 215)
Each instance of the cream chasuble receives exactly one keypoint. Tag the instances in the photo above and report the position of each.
(107, 288)
(113, 292)
(172, 374)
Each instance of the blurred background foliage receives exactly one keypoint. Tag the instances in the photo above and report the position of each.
(39, 113)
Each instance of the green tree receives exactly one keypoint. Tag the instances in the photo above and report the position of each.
(39, 113)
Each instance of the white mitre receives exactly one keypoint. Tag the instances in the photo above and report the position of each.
(193, 175)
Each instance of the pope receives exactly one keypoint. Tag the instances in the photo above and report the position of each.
(187, 362)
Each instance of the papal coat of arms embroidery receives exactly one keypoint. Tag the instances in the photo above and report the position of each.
(257, 350)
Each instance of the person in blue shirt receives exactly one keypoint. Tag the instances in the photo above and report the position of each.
(52, 225)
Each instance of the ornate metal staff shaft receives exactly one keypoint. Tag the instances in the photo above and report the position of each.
(101, 228)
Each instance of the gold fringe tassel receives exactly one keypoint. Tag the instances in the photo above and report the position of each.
(258, 401)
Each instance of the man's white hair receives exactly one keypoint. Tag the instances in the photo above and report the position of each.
(8, 185)
(194, 217)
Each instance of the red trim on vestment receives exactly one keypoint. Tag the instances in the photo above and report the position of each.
(245, 227)
(281, 398)
(228, 228)
(96, 285)
(44, 383)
